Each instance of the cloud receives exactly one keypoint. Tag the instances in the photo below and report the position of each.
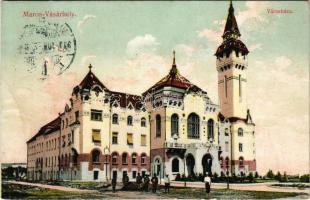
(254, 47)
(248, 20)
(211, 35)
(253, 13)
(83, 21)
(85, 60)
(142, 44)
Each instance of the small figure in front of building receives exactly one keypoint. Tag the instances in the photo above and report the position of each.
(146, 182)
(139, 181)
(113, 184)
(207, 181)
(167, 183)
(154, 181)
(125, 180)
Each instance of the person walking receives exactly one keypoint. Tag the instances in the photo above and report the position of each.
(207, 181)
(139, 181)
(167, 183)
(146, 182)
(113, 184)
(154, 181)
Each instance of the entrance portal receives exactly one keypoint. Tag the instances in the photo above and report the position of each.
(190, 164)
(207, 164)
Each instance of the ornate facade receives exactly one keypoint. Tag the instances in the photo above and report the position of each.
(172, 128)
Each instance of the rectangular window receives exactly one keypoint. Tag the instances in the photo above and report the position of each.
(96, 115)
(134, 174)
(96, 135)
(226, 146)
(240, 147)
(114, 137)
(225, 83)
(77, 115)
(69, 139)
(129, 139)
(143, 140)
(240, 85)
(72, 137)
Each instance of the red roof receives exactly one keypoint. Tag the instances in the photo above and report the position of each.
(48, 128)
(90, 80)
(174, 79)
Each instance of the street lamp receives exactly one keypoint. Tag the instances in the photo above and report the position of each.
(227, 175)
(106, 153)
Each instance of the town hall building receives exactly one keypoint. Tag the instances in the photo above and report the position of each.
(172, 128)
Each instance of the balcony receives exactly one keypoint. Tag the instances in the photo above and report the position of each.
(175, 145)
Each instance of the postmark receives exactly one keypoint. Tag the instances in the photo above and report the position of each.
(47, 47)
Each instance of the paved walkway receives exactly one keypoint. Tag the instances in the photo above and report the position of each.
(249, 187)
(54, 187)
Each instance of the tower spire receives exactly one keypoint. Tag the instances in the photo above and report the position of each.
(173, 58)
(231, 27)
(174, 69)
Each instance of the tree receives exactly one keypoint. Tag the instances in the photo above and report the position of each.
(285, 178)
(278, 176)
(270, 174)
(256, 175)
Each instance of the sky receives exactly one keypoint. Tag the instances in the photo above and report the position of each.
(130, 45)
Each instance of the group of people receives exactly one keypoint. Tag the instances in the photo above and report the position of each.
(143, 183)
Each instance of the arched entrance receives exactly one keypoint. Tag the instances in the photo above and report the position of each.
(157, 167)
(190, 164)
(207, 163)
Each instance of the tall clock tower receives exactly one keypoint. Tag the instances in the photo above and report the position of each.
(231, 64)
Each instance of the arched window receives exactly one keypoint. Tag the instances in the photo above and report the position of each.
(143, 122)
(114, 158)
(129, 120)
(115, 118)
(210, 129)
(95, 156)
(143, 159)
(175, 165)
(240, 132)
(158, 126)
(193, 126)
(174, 124)
(241, 161)
(134, 158)
(124, 159)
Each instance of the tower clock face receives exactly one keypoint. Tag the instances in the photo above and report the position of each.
(47, 48)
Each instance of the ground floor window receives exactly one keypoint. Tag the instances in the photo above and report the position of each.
(134, 174)
(96, 174)
(175, 165)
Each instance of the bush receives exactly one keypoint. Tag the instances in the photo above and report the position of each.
(304, 178)
(178, 177)
(251, 177)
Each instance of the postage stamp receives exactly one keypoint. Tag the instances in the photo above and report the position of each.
(47, 47)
